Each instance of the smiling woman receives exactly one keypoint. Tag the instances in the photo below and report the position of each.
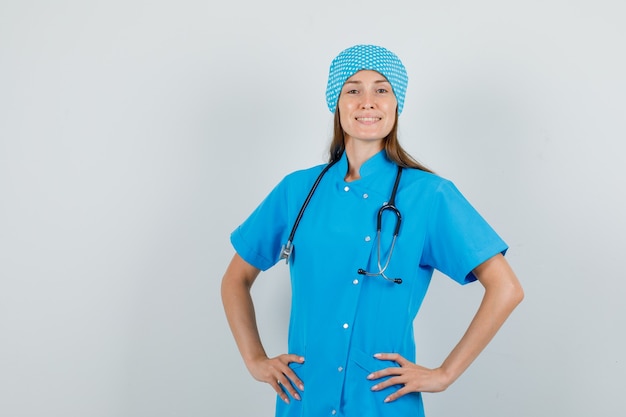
(350, 338)
(386, 72)
(367, 108)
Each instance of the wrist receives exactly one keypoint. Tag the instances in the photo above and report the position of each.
(447, 376)
(252, 359)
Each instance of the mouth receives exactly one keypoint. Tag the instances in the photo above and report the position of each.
(368, 119)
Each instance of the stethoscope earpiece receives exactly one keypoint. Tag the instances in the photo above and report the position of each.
(285, 251)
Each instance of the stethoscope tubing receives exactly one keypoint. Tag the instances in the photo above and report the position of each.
(390, 205)
(286, 250)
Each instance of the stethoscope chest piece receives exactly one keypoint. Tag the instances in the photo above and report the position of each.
(388, 206)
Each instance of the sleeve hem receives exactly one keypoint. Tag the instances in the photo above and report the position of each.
(244, 250)
(485, 255)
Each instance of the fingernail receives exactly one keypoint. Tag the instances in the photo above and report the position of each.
(301, 359)
(375, 387)
(387, 400)
(370, 376)
(377, 355)
(301, 387)
(296, 396)
(286, 400)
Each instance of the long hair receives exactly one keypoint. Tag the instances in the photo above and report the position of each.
(394, 150)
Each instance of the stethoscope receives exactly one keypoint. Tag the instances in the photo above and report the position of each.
(388, 206)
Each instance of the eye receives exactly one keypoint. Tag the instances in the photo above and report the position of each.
(353, 91)
(382, 91)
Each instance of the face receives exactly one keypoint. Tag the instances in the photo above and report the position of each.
(367, 107)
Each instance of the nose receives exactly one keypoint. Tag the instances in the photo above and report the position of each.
(368, 101)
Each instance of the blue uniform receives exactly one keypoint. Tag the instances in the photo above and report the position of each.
(340, 319)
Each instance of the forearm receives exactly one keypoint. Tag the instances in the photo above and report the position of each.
(239, 309)
(502, 294)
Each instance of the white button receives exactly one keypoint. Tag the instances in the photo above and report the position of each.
(356, 281)
(340, 369)
(367, 238)
(333, 412)
(345, 325)
(365, 195)
(346, 188)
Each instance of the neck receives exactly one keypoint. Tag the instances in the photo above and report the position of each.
(357, 153)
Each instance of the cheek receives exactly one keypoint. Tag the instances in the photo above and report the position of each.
(392, 113)
(345, 109)
(344, 105)
(392, 105)
(345, 123)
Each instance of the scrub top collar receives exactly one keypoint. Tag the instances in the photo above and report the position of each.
(377, 164)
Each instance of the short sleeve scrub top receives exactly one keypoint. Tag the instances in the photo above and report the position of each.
(339, 318)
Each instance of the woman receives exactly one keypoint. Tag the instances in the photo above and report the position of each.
(356, 289)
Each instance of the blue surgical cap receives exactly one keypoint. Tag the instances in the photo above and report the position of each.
(366, 57)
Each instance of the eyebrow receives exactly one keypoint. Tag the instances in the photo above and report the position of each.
(361, 82)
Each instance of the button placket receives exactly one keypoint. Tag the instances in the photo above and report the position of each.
(359, 199)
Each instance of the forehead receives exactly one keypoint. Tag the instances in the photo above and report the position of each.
(367, 76)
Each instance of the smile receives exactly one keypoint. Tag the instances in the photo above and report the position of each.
(368, 119)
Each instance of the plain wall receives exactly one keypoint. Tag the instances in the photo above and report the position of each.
(136, 135)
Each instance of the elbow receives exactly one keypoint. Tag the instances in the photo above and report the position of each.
(500, 282)
(519, 295)
(509, 292)
(515, 294)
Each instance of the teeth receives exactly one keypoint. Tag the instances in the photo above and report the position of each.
(368, 119)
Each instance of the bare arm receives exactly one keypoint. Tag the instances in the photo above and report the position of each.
(241, 316)
(503, 293)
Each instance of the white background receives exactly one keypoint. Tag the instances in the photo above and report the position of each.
(136, 135)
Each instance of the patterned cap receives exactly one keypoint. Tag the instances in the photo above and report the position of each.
(366, 57)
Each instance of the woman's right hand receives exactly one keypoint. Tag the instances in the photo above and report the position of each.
(239, 309)
(276, 372)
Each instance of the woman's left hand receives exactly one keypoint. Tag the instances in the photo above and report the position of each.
(503, 293)
(412, 377)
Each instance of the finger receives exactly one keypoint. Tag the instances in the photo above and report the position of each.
(394, 370)
(279, 390)
(399, 393)
(287, 378)
(291, 375)
(387, 383)
(279, 376)
(396, 357)
(286, 385)
(287, 359)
